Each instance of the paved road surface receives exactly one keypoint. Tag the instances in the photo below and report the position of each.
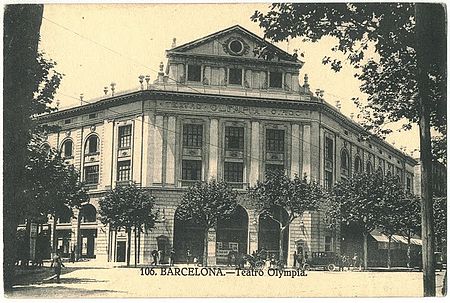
(82, 280)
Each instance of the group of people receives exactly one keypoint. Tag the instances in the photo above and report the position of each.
(344, 261)
(159, 257)
(301, 261)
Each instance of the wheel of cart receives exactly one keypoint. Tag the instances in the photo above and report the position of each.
(331, 267)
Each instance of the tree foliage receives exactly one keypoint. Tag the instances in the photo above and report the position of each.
(440, 220)
(50, 186)
(389, 77)
(128, 207)
(205, 203)
(295, 196)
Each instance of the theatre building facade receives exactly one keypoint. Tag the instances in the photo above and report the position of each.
(227, 106)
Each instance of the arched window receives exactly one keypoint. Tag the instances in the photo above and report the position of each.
(64, 215)
(92, 145)
(380, 171)
(358, 165)
(369, 168)
(67, 149)
(345, 162)
(88, 213)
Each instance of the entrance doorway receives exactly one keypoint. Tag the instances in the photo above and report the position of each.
(232, 235)
(121, 251)
(269, 232)
(187, 235)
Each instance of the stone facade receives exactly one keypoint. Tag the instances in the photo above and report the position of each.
(230, 80)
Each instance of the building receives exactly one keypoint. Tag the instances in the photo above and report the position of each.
(227, 106)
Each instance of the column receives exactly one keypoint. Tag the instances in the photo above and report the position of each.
(101, 252)
(252, 232)
(306, 167)
(255, 154)
(158, 149)
(316, 149)
(75, 236)
(107, 154)
(295, 151)
(211, 247)
(213, 148)
(147, 128)
(337, 167)
(137, 148)
(170, 151)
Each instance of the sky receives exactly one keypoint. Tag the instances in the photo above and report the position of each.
(96, 44)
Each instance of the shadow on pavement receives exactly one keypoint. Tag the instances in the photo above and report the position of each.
(60, 291)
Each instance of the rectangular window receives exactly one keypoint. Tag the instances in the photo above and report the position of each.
(235, 76)
(328, 149)
(123, 170)
(68, 147)
(67, 121)
(91, 174)
(408, 184)
(92, 116)
(328, 180)
(125, 136)
(233, 172)
(194, 73)
(275, 140)
(328, 243)
(192, 135)
(92, 144)
(191, 170)
(234, 138)
(274, 168)
(275, 79)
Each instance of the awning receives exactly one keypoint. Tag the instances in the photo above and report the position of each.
(379, 237)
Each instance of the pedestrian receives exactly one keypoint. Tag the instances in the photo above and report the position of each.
(188, 256)
(57, 264)
(160, 256)
(172, 257)
(155, 257)
(295, 259)
(355, 261)
(72, 256)
(302, 262)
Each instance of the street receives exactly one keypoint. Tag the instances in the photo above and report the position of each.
(88, 279)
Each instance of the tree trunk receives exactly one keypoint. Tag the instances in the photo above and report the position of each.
(55, 238)
(365, 234)
(21, 27)
(135, 247)
(128, 245)
(139, 246)
(428, 17)
(281, 257)
(205, 249)
(408, 253)
(389, 252)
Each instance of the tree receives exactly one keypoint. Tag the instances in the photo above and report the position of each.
(392, 205)
(410, 222)
(28, 78)
(50, 185)
(21, 37)
(294, 195)
(359, 203)
(410, 41)
(129, 207)
(206, 202)
(440, 221)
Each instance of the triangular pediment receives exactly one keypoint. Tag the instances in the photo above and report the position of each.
(235, 41)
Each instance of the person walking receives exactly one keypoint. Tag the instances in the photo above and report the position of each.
(295, 259)
(155, 257)
(188, 256)
(171, 257)
(57, 264)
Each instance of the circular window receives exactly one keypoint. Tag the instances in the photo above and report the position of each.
(236, 46)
